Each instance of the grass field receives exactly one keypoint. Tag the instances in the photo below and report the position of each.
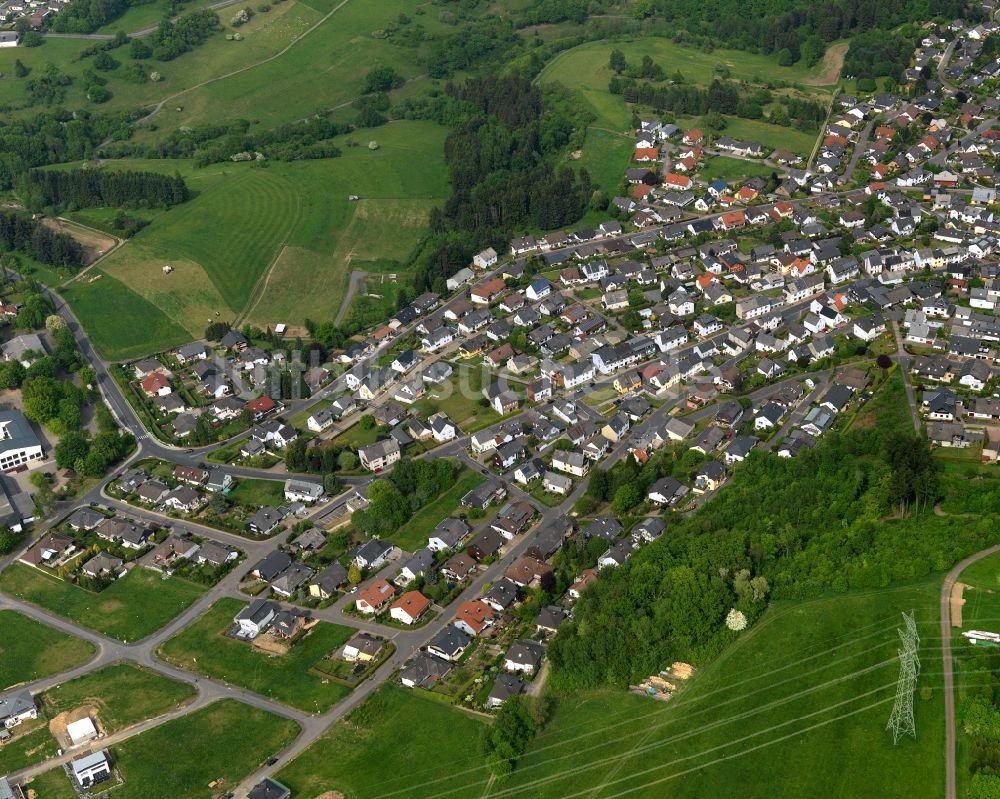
(269, 245)
(135, 327)
(131, 608)
(30, 650)
(606, 156)
(981, 611)
(733, 170)
(249, 491)
(53, 784)
(796, 707)
(224, 741)
(123, 694)
(585, 69)
(203, 648)
(388, 747)
(414, 533)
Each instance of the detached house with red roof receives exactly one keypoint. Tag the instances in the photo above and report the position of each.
(676, 181)
(261, 407)
(373, 598)
(473, 617)
(156, 384)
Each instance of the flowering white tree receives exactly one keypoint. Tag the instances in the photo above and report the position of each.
(736, 620)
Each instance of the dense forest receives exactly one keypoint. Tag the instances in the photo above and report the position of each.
(52, 138)
(853, 513)
(92, 188)
(26, 235)
(794, 29)
(506, 135)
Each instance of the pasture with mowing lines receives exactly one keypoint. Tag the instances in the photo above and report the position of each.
(390, 746)
(205, 649)
(252, 238)
(30, 650)
(796, 706)
(225, 741)
(131, 608)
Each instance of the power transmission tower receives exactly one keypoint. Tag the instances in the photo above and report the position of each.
(901, 720)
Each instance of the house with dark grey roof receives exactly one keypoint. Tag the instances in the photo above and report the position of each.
(506, 686)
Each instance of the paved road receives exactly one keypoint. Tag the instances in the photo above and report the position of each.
(858, 152)
(948, 665)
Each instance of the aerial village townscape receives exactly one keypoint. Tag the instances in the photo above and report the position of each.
(608, 413)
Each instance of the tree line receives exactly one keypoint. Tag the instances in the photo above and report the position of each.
(91, 188)
(33, 238)
(500, 157)
(722, 97)
(855, 512)
(793, 30)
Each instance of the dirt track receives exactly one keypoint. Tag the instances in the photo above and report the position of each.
(956, 602)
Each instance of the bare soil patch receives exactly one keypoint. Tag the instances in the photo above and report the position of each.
(833, 63)
(57, 726)
(94, 243)
(956, 601)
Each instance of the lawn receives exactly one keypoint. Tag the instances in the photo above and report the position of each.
(203, 648)
(397, 744)
(733, 170)
(130, 609)
(252, 492)
(224, 741)
(28, 748)
(251, 238)
(31, 650)
(459, 399)
(53, 784)
(795, 707)
(413, 535)
(123, 693)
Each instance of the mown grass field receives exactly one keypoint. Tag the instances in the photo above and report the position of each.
(131, 608)
(250, 491)
(268, 245)
(797, 706)
(391, 746)
(123, 694)
(606, 156)
(203, 648)
(733, 170)
(30, 650)
(224, 741)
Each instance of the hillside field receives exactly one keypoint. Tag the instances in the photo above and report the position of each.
(797, 706)
(607, 149)
(312, 54)
(264, 244)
